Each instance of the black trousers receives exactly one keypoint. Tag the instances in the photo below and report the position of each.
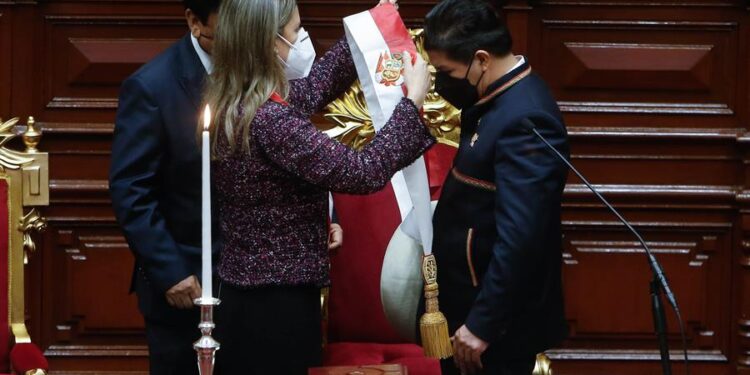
(269, 330)
(170, 332)
(170, 347)
(495, 365)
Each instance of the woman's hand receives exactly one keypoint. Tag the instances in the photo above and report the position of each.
(394, 2)
(416, 78)
(335, 238)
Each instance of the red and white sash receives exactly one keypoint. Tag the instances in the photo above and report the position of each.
(377, 39)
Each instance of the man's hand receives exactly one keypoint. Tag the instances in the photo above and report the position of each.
(467, 351)
(335, 237)
(182, 295)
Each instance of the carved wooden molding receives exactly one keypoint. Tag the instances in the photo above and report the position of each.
(105, 129)
(640, 24)
(667, 134)
(646, 108)
(627, 3)
(96, 350)
(677, 192)
(79, 103)
(96, 52)
(632, 355)
(673, 225)
(83, 254)
(114, 19)
(701, 250)
(741, 262)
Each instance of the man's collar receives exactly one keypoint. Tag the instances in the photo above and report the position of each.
(520, 71)
(205, 58)
(520, 60)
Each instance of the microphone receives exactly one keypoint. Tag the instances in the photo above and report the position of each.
(656, 268)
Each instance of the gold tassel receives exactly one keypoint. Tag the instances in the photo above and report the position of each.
(433, 326)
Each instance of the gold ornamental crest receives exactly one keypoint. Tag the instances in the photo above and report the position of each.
(350, 122)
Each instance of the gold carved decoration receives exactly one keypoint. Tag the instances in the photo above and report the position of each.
(29, 223)
(33, 166)
(353, 125)
(31, 136)
(543, 365)
(11, 159)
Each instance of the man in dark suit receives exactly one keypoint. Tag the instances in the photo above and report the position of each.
(155, 183)
(497, 224)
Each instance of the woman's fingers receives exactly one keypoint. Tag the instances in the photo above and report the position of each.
(407, 59)
(416, 78)
(394, 2)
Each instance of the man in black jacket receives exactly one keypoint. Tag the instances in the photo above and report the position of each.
(155, 183)
(497, 225)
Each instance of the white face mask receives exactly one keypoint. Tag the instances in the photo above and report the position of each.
(301, 56)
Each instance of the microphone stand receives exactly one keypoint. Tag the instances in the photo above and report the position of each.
(660, 325)
(659, 281)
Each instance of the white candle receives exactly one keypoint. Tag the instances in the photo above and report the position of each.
(206, 208)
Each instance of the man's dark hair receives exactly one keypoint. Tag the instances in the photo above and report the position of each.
(461, 27)
(202, 8)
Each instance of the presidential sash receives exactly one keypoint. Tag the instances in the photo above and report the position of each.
(377, 39)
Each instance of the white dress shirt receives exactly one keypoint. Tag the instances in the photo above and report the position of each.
(206, 60)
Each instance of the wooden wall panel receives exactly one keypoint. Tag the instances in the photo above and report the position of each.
(623, 64)
(655, 95)
(607, 266)
(90, 321)
(654, 99)
(88, 57)
(671, 67)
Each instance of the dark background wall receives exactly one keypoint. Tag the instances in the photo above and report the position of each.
(655, 94)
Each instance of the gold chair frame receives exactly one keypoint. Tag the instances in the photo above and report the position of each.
(27, 175)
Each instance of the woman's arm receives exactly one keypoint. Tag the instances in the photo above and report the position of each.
(328, 79)
(298, 147)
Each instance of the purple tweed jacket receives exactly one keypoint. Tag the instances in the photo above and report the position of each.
(274, 198)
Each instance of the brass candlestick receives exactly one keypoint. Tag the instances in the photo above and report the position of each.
(206, 346)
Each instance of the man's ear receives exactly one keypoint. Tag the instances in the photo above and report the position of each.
(193, 23)
(484, 59)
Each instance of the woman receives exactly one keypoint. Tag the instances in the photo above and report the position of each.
(273, 172)
(502, 296)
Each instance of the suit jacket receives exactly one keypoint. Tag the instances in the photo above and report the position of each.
(155, 175)
(497, 223)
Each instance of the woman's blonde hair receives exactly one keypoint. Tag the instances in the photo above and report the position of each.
(247, 69)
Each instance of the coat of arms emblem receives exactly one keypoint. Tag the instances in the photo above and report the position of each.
(388, 71)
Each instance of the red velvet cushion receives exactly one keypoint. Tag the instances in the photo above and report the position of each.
(5, 336)
(359, 354)
(25, 357)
